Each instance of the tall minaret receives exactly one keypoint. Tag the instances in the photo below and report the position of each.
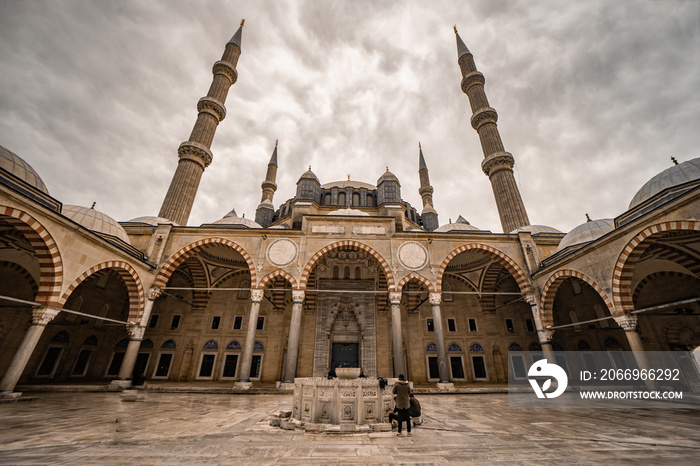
(429, 215)
(497, 164)
(265, 211)
(194, 154)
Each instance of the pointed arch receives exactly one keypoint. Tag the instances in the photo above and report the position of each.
(630, 255)
(354, 246)
(269, 278)
(24, 273)
(510, 265)
(46, 251)
(417, 277)
(128, 275)
(549, 291)
(180, 256)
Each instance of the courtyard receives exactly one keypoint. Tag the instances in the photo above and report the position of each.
(172, 428)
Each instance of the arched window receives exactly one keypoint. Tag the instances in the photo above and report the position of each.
(358, 273)
(233, 346)
(370, 200)
(355, 199)
(446, 292)
(346, 272)
(211, 345)
(341, 199)
(168, 344)
(476, 348)
(454, 348)
(336, 272)
(431, 348)
(327, 199)
(515, 347)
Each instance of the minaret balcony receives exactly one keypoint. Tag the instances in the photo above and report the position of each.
(196, 152)
(226, 69)
(497, 162)
(212, 106)
(471, 79)
(483, 116)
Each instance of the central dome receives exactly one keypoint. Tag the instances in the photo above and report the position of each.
(348, 184)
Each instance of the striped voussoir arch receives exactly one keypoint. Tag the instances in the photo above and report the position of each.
(692, 281)
(549, 292)
(417, 277)
(269, 279)
(630, 255)
(46, 251)
(176, 259)
(130, 278)
(23, 273)
(354, 246)
(488, 284)
(503, 259)
(200, 298)
(680, 257)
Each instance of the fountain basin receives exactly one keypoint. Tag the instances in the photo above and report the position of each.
(347, 373)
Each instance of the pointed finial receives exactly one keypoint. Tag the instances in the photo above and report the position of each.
(387, 168)
(243, 216)
(242, 22)
(309, 167)
(673, 159)
(93, 205)
(588, 219)
(419, 145)
(450, 220)
(348, 176)
(455, 28)
(276, 141)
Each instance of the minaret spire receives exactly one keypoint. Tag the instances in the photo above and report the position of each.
(429, 215)
(266, 211)
(497, 164)
(195, 154)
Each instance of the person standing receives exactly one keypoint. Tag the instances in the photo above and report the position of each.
(402, 392)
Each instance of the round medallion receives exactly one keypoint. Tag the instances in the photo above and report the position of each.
(282, 252)
(413, 255)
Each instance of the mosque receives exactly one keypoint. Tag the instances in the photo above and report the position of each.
(344, 274)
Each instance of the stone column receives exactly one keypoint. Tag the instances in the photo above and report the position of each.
(256, 296)
(290, 368)
(132, 351)
(545, 336)
(136, 332)
(397, 334)
(629, 323)
(435, 299)
(40, 317)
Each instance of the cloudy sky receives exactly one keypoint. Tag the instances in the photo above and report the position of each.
(593, 98)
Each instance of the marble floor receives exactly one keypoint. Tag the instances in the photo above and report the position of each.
(167, 428)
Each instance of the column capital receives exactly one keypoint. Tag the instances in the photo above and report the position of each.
(395, 297)
(154, 293)
(43, 315)
(627, 321)
(531, 299)
(298, 296)
(256, 295)
(435, 298)
(135, 331)
(545, 335)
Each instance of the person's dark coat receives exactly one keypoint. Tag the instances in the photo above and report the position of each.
(402, 390)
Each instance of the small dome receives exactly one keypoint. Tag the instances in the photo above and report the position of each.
(460, 225)
(21, 169)
(535, 229)
(674, 176)
(151, 220)
(95, 220)
(349, 212)
(387, 176)
(232, 218)
(308, 175)
(587, 232)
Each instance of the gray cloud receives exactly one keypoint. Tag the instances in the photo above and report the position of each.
(593, 98)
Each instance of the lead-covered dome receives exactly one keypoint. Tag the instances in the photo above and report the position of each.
(674, 176)
(460, 225)
(95, 220)
(350, 212)
(232, 218)
(151, 220)
(587, 232)
(535, 229)
(16, 165)
(387, 176)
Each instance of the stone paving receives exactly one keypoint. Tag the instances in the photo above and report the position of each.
(168, 428)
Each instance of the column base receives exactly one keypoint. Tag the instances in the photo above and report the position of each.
(446, 386)
(9, 395)
(286, 386)
(243, 385)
